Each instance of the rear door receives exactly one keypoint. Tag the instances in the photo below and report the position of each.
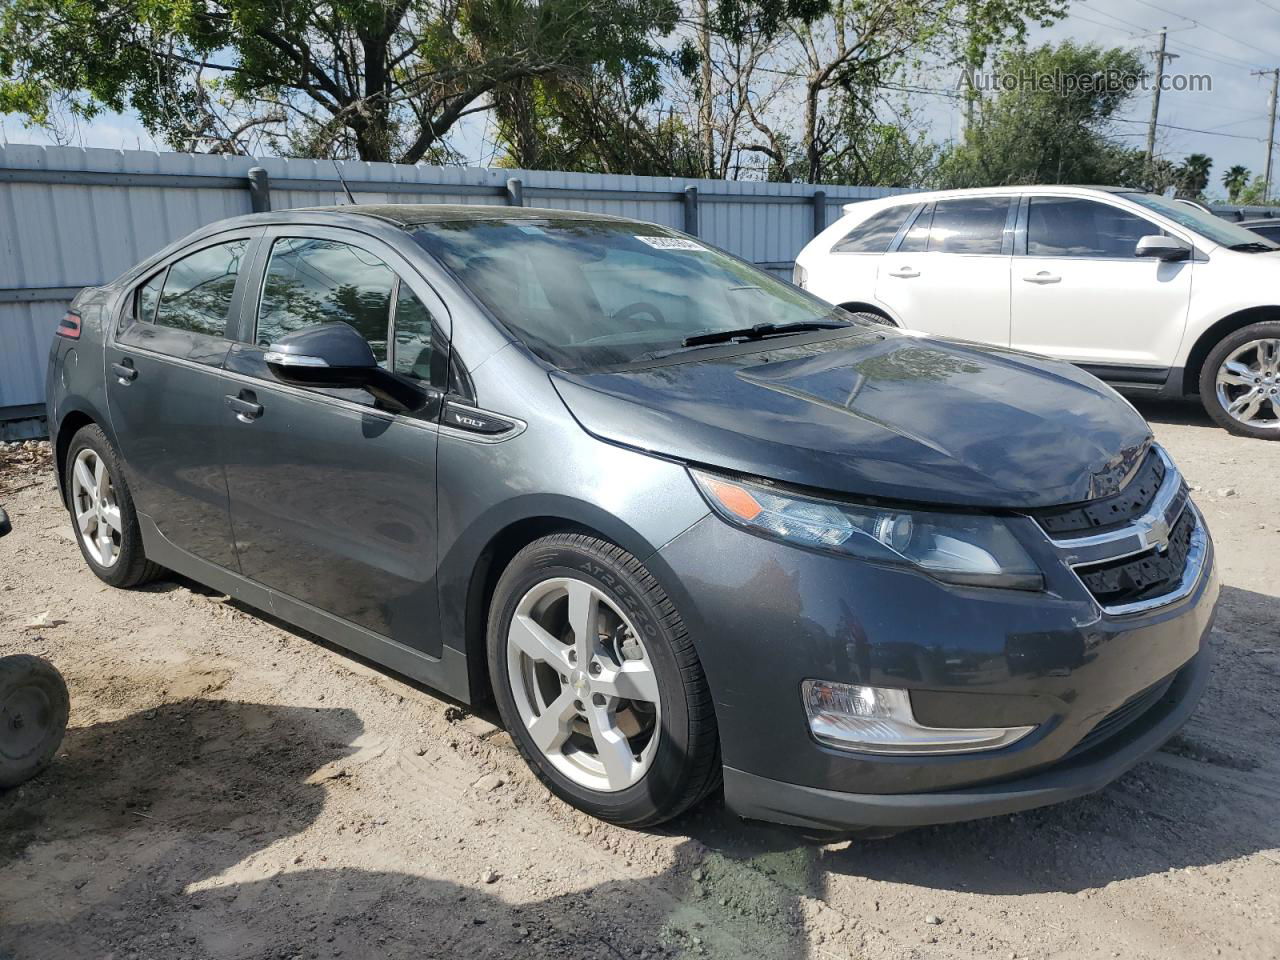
(164, 391)
(333, 499)
(1080, 293)
(949, 272)
(847, 273)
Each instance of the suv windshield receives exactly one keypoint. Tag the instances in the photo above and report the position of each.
(1206, 224)
(585, 294)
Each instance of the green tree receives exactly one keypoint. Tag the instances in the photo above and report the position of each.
(1236, 180)
(1052, 123)
(376, 79)
(1193, 175)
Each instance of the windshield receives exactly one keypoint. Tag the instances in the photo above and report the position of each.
(1205, 224)
(585, 294)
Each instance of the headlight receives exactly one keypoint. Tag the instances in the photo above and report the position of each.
(880, 720)
(956, 547)
(799, 276)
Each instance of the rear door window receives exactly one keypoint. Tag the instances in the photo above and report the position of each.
(1072, 227)
(972, 225)
(874, 234)
(198, 289)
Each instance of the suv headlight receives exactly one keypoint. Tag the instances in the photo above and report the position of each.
(962, 548)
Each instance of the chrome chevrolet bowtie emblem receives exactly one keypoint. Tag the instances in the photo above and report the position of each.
(1156, 534)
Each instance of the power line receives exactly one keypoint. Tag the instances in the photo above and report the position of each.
(1269, 6)
(1211, 133)
(1127, 23)
(1223, 58)
(1183, 16)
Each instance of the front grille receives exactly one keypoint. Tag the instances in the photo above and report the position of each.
(1123, 715)
(1144, 576)
(1106, 513)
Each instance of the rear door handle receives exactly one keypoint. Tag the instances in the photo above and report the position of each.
(906, 273)
(125, 372)
(246, 406)
(1044, 276)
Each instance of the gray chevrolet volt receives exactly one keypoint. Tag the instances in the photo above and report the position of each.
(690, 528)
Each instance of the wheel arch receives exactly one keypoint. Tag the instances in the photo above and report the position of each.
(859, 306)
(72, 422)
(1210, 338)
(475, 579)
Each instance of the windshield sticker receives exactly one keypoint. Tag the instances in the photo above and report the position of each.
(672, 243)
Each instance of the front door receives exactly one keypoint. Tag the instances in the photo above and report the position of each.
(333, 500)
(950, 273)
(1080, 293)
(164, 391)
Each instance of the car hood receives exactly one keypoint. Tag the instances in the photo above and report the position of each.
(877, 414)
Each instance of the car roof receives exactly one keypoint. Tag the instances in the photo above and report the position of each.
(407, 215)
(1259, 222)
(1005, 191)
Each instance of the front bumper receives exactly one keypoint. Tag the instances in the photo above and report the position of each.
(760, 798)
(767, 616)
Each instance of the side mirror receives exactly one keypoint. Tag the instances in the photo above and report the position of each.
(334, 355)
(1162, 248)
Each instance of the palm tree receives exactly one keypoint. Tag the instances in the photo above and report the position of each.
(1235, 180)
(1195, 174)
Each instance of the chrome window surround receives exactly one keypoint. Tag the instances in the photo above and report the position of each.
(1147, 532)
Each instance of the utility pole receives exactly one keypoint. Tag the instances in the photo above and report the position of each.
(705, 107)
(1161, 57)
(1271, 128)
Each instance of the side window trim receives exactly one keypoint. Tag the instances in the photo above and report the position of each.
(924, 210)
(126, 319)
(1025, 220)
(1006, 231)
(904, 227)
(379, 248)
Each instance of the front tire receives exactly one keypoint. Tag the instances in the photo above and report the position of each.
(102, 512)
(598, 683)
(34, 707)
(1240, 382)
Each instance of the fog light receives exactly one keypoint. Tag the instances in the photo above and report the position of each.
(879, 720)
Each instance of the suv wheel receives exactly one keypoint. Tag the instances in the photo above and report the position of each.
(102, 511)
(598, 683)
(1240, 382)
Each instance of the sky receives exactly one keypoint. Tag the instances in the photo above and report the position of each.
(1226, 41)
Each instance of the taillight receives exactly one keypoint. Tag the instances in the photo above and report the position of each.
(799, 276)
(69, 327)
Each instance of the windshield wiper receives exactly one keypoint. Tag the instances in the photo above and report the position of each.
(759, 332)
(1254, 246)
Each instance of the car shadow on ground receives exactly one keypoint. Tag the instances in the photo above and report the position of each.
(145, 839)
(1187, 412)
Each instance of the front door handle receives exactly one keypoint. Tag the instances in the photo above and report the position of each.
(246, 406)
(1044, 276)
(906, 273)
(125, 372)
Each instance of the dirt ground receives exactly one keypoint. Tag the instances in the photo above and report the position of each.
(234, 788)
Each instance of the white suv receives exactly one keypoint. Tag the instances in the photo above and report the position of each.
(1151, 295)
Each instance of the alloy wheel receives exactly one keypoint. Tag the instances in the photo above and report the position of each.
(583, 684)
(97, 513)
(1248, 383)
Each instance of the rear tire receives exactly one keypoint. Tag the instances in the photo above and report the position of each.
(34, 707)
(102, 512)
(631, 760)
(1240, 382)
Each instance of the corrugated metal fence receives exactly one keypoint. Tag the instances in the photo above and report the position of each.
(72, 217)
